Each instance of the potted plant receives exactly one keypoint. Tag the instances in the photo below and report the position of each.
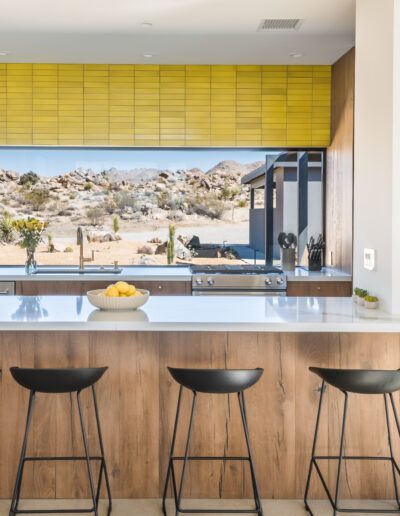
(31, 232)
(371, 302)
(359, 295)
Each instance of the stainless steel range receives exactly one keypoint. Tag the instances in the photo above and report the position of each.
(245, 280)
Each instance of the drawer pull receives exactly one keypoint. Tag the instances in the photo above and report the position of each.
(159, 287)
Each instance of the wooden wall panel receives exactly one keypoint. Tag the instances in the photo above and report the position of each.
(137, 401)
(339, 171)
(165, 105)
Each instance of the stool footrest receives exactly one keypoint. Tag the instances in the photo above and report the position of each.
(209, 458)
(219, 511)
(54, 511)
(31, 459)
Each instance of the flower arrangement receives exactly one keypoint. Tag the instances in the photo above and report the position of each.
(31, 232)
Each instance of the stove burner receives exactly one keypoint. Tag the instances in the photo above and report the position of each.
(235, 269)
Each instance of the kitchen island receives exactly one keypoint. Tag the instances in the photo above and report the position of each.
(137, 397)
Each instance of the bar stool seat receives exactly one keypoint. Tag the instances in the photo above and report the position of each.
(359, 381)
(211, 381)
(216, 381)
(57, 381)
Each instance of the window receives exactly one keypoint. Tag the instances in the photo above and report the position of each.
(126, 200)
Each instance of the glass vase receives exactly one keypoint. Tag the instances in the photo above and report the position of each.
(30, 264)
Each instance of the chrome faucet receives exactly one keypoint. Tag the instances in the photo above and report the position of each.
(79, 241)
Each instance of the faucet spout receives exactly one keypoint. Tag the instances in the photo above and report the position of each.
(79, 241)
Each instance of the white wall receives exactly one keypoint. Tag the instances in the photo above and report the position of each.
(376, 153)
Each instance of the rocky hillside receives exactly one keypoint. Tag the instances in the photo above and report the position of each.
(83, 196)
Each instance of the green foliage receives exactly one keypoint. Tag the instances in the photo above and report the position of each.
(68, 249)
(88, 185)
(371, 299)
(124, 199)
(360, 292)
(29, 179)
(6, 228)
(208, 205)
(116, 223)
(229, 193)
(31, 231)
(95, 215)
(171, 244)
(37, 197)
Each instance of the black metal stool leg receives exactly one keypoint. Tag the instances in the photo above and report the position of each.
(170, 465)
(314, 447)
(185, 457)
(243, 412)
(339, 470)
(20, 470)
(87, 454)
(103, 466)
(396, 491)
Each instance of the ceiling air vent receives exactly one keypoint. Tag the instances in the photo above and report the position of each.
(279, 24)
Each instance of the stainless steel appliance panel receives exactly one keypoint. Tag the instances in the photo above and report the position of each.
(7, 288)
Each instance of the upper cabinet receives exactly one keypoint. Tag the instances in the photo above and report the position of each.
(165, 105)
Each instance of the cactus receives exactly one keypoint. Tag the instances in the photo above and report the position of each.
(171, 245)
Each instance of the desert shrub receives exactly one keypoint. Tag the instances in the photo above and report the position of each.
(228, 193)
(28, 179)
(176, 215)
(116, 223)
(95, 215)
(207, 205)
(37, 197)
(124, 199)
(68, 249)
(88, 185)
(7, 234)
(242, 203)
(145, 249)
(168, 201)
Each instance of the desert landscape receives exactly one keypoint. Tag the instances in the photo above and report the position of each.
(126, 214)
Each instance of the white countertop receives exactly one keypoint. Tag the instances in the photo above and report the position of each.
(326, 274)
(149, 273)
(145, 273)
(186, 313)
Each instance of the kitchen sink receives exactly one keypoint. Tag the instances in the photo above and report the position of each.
(77, 270)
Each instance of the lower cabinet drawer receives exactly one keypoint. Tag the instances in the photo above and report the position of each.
(77, 288)
(319, 288)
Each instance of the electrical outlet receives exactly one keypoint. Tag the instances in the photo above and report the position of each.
(369, 259)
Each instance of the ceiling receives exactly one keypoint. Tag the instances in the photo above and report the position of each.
(182, 31)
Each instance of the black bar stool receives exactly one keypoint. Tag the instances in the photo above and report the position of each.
(358, 381)
(211, 381)
(55, 381)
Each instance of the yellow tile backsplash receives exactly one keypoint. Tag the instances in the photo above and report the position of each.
(165, 105)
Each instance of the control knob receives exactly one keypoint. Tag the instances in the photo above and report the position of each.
(199, 281)
(280, 281)
(268, 281)
(210, 281)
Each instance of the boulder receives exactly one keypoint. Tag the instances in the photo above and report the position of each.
(102, 236)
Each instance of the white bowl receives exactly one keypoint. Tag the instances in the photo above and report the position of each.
(96, 298)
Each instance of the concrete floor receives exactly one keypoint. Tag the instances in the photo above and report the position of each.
(153, 507)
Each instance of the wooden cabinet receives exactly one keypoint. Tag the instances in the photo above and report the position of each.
(319, 288)
(77, 288)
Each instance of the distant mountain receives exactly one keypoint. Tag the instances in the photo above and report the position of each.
(234, 167)
(135, 175)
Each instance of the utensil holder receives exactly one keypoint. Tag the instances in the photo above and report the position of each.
(314, 265)
(288, 258)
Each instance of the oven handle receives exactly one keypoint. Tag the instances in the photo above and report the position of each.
(265, 293)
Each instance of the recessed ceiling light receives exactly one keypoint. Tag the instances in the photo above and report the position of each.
(296, 55)
(148, 56)
(4, 52)
(147, 25)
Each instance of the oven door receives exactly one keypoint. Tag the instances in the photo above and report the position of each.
(238, 292)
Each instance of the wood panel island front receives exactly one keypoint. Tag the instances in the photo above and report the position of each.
(137, 397)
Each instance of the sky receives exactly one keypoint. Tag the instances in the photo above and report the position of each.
(54, 161)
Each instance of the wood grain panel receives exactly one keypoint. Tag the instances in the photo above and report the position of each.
(319, 288)
(137, 401)
(78, 288)
(339, 166)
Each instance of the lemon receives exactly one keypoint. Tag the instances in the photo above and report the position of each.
(132, 290)
(112, 291)
(122, 286)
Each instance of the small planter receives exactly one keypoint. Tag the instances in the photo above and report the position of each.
(371, 303)
(288, 258)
